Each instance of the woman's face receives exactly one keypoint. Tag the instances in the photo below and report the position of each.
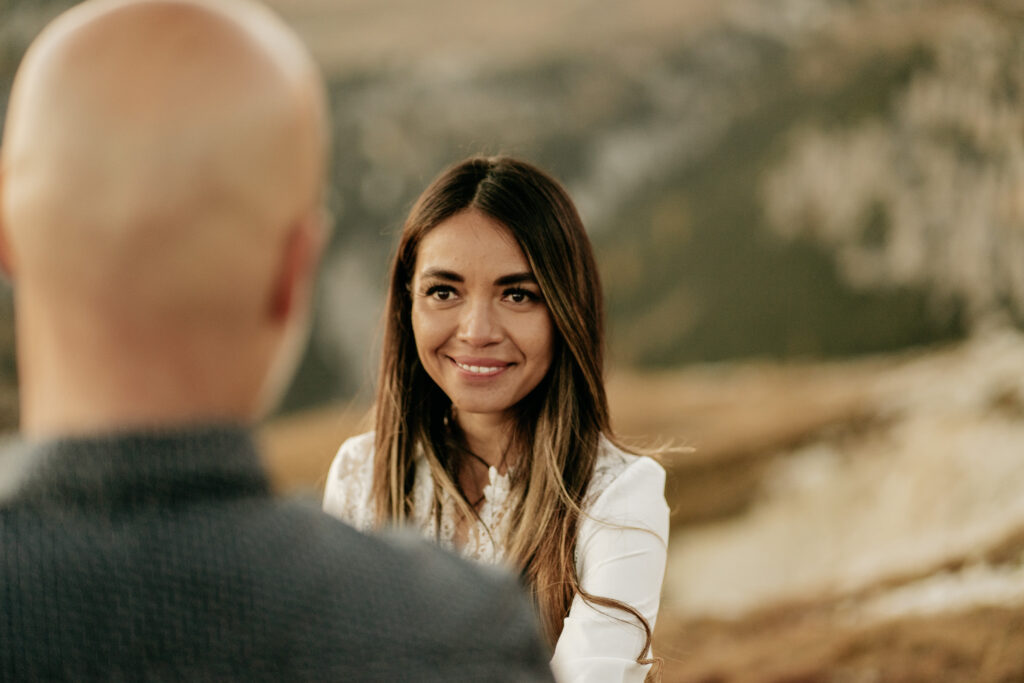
(482, 329)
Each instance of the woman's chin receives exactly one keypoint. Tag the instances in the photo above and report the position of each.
(482, 410)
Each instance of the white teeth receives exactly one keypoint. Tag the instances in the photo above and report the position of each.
(479, 369)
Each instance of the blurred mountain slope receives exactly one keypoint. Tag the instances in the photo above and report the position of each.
(718, 151)
(670, 146)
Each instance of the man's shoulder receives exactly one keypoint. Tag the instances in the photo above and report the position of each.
(136, 546)
(401, 560)
(303, 593)
(411, 604)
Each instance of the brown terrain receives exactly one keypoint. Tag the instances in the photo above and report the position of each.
(851, 521)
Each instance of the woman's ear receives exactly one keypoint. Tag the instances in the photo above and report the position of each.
(6, 259)
(303, 245)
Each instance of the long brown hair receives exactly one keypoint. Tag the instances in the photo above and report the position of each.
(559, 424)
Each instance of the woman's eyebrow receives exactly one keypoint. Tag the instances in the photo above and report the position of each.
(516, 279)
(442, 274)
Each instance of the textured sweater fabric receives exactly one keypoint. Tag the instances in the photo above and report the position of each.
(163, 556)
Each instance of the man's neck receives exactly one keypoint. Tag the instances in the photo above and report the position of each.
(75, 383)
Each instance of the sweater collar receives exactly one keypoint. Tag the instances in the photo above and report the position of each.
(133, 468)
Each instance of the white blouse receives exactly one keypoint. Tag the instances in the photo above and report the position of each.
(620, 550)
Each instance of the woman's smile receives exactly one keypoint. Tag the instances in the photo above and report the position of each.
(482, 368)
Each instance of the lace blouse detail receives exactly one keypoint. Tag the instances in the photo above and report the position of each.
(348, 495)
(485, 540)
(610, 464)
(621, 547)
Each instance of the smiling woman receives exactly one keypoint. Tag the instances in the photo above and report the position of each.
(493, 434)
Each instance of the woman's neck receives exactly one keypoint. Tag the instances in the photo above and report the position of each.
(487, 436)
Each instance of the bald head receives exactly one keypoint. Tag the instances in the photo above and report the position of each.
(160, 184)
(147, 140)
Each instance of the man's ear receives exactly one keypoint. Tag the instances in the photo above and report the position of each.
(6, 260)
(296, 269)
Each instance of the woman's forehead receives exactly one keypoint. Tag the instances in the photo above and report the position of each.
(471, 243)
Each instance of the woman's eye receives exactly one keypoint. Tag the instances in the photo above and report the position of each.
(521, 296)
(440, 292)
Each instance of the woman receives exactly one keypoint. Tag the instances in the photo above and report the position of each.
(492, 429)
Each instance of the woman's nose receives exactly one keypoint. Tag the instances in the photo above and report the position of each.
(479, 325)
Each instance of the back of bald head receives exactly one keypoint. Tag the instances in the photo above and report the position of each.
(156, 152)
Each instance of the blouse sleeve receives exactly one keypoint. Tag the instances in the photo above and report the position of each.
(622, 549)
(347, 493)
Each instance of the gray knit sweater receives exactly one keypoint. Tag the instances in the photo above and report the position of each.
(163, 556)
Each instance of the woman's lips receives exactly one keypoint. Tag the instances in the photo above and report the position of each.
(480, 367)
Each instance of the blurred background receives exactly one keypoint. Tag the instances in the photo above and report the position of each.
(809, 216)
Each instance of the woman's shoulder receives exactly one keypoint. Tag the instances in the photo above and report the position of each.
(617, 468)
(361, 443)
(354, 456)
(627, 488)
(350, 481)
